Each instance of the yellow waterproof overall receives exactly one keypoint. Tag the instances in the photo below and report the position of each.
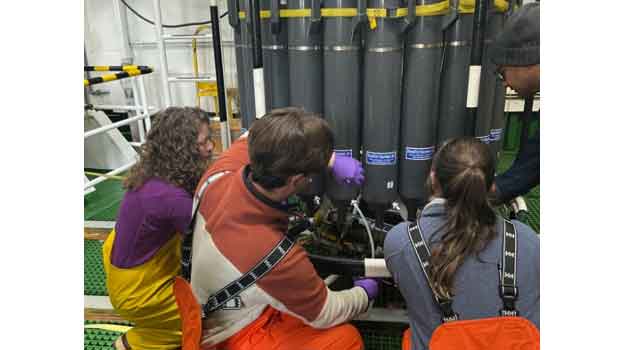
(144, 295)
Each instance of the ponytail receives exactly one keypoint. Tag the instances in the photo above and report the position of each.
(464, 172)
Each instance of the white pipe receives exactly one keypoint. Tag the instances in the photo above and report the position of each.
(201, 43)
(113, 125)
(103, 178)
(141, 125)
(260, 99)
(161, 47)
(185, 37)
(136, 144)
(121, 14)
(143, 97)
(371, 237)
(376, 268)
(122, 108)
(225, 135)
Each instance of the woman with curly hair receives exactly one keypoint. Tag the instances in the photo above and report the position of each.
(142, 253)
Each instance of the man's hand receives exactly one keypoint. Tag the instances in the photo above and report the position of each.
(347, 170)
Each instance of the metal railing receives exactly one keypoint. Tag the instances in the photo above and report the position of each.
(142, 120)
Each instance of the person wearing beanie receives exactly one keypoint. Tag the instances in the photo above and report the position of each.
(516, 52)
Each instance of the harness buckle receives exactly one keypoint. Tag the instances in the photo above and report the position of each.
(512, 294)
(447, 312)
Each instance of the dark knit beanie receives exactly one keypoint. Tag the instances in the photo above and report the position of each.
(518, 44)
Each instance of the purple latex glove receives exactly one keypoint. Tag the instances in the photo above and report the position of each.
(370, 285)
(348, 170)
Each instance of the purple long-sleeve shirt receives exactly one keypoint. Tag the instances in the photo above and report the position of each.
(148, 218)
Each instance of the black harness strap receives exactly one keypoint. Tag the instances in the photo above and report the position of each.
(423, 254)
(186, 245)
(508, 289)
(233, 289)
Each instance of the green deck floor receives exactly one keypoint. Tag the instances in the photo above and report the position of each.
(94, 276)
(101, 339)
(103, 204)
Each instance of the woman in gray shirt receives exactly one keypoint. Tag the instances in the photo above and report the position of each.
(465, 239)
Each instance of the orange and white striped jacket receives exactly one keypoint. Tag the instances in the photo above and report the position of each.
(236, 226)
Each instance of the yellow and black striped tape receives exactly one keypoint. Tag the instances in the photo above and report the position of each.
(113, 68)
(117, 76)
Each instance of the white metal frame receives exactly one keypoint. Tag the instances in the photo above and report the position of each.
(143, 120)
(166, 80)
(140, 106)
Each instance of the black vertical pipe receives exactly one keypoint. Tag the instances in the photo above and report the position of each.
(526, 121)
(477, 50)
(479, 31)
(220, 80)
(255, 25)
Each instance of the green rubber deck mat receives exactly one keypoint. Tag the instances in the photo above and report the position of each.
(94, 276)
(101, 339)
(103, 204)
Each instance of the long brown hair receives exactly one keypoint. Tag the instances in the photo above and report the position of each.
(464, 173)
(171, 151)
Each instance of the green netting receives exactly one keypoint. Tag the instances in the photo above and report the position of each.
(381, 335)
(94, 276)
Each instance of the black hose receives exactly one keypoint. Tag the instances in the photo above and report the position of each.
(337, 266)
(189, 24)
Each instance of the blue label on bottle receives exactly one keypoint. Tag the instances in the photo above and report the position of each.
(495, 134)
(484, 139)
(343, 152)
(381, 158)
(419, 153)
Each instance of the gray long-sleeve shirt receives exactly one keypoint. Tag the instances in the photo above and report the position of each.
(476, 283)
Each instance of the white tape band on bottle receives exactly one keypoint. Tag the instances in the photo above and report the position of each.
(473, 88)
